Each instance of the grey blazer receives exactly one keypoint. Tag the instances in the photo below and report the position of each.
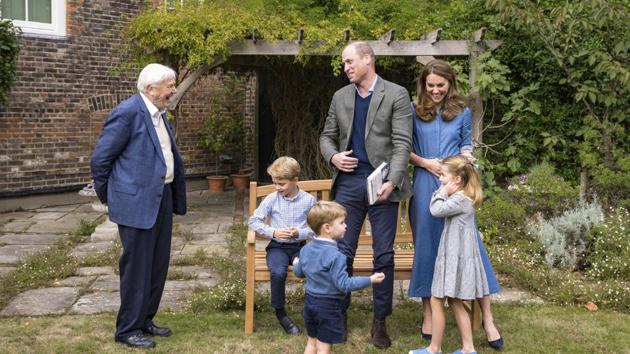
(388, 131)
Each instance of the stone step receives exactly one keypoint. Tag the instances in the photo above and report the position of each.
(107, 231)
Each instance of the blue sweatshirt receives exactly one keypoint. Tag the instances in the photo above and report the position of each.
(324, 267)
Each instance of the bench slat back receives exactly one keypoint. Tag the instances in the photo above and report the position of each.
(320, 189)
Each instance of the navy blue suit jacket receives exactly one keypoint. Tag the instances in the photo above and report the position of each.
(128, 167)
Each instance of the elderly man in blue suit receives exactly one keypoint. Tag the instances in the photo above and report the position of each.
(139, 174)
(369, 122)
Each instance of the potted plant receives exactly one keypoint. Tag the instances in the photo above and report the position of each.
(214, 137)
(238, 138)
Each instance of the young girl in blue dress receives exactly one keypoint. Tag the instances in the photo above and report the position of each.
(459, 272)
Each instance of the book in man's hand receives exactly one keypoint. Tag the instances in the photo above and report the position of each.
(376, 180)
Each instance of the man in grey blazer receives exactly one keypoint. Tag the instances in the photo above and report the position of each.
(369, 122)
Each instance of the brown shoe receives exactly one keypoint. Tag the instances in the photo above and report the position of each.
(380, 338)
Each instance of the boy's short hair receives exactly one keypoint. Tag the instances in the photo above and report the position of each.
(324, 212)
(284, 167)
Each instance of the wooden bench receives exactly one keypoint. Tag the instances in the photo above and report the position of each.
(256, 262)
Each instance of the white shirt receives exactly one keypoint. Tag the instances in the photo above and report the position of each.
(163, 137)
(370, 90)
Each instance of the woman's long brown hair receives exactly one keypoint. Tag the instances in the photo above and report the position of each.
(452, 105)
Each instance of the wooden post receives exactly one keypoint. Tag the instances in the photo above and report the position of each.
(475, 98)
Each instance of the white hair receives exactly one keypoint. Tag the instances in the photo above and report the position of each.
(153, 74)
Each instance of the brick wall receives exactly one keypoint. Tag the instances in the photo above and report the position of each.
(64, 90)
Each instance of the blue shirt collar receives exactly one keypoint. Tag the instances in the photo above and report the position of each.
(370, 90)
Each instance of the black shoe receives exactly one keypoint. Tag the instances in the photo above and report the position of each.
(380, 338)
(496, 344)
(157, 331)
(137, 341)
(426, 336)
(289, 326)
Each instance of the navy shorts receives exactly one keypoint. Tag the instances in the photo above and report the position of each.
(323, 318)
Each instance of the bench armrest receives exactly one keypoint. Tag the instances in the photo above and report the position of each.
(251, 237)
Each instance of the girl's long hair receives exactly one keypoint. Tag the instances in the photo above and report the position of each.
(453, 104)
(459, 165)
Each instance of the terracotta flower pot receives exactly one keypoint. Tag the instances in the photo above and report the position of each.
(216, 184)
(239, 181)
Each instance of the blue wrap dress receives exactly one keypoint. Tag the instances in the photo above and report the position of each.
(436, 139)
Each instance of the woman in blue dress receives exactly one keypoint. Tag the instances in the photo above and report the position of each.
(441, 128)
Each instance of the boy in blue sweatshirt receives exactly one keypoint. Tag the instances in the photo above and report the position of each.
(327, 279)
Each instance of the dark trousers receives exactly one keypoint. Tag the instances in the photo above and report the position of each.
(143, 269)
(279, 257)
(351, 192)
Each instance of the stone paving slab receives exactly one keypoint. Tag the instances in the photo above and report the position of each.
(179, 285)
(5, 270)
(209, 282)
(75, 282)
(190, 250)
(85, 208)
(51, 215)
(86, 271)
(106, 283)
(106, 231)
(191, 217)
(174, 300)
(64, 224)
(515, 295)
(12, 254)
(29, 239)
(90, 248)
(58, 208)
(177, 243)
(19, 225)
(212, 241)
(17, 215)
(97, 302)
(197, 271)
(30, 303)
(205, 229)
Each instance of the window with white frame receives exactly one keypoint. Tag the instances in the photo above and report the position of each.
(46, 17)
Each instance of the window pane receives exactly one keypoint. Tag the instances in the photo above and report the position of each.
(13, 9)
(39, 11)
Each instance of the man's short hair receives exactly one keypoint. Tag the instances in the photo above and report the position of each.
(362, 48)
(324, 212)
(284, 167)
(153, 74)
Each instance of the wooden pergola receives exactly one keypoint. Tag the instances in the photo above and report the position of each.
(429, 46)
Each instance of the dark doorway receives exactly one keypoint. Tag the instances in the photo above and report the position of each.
(266, 129)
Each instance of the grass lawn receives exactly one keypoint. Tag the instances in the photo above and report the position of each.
(526, 329)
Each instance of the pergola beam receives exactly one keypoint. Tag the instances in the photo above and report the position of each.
(426, 47)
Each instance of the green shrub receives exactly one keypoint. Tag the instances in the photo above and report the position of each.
(566, 238)
(9, 50)
(524, 266)
(501, 221)
(109, 257)
(543, 192)
(610, 258)
(86, 228)
(228, 295)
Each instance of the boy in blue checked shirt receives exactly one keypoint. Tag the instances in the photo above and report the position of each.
(327, 279)
(286, 209)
